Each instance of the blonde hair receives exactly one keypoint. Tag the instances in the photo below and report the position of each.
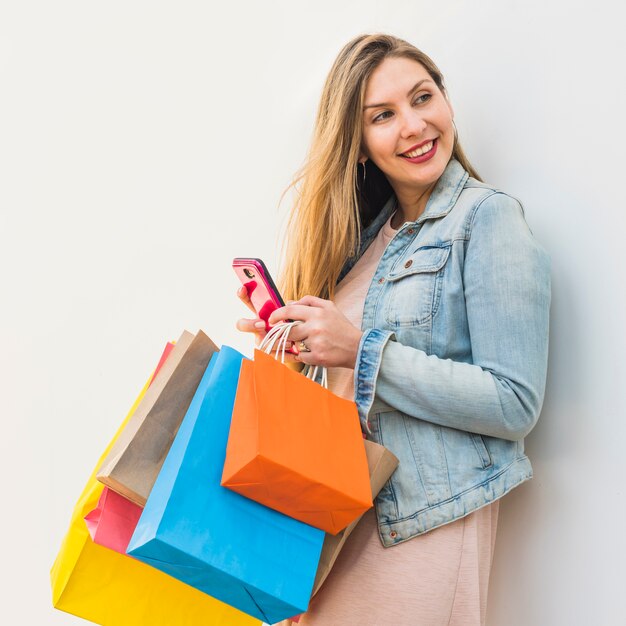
(332, 203)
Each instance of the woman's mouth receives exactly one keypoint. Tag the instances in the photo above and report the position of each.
(421, 154)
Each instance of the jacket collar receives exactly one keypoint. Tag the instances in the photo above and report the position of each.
(440, 203)
(446, 192)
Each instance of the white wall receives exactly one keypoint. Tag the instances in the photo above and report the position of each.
(144, 144)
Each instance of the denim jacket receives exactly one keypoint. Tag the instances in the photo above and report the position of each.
(451, 367)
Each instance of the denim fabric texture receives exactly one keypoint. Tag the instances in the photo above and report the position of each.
(451, 368)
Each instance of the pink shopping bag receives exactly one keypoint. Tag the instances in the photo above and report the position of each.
(112, 523)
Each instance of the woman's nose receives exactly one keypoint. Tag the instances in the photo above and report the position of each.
(413, 124)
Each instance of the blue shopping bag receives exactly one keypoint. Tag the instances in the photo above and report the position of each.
(232, 548)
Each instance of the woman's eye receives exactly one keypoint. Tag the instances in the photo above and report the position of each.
(425, 97)
(380, 116)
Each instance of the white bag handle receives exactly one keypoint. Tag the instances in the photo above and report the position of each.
(279, 334)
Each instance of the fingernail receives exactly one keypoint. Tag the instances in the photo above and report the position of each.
(259, 325)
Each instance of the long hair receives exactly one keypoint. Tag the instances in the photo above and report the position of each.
(331, 203)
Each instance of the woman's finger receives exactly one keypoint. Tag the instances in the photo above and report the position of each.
(296, 311)
(314, 301)
(251, 326)
(279, 349)
(306, 358)
(299, 332)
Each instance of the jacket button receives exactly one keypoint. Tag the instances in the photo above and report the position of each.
(381, 281)
(410, 231)
(408, 263)
(393, 534)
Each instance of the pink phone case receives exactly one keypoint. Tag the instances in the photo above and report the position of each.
(261, 288)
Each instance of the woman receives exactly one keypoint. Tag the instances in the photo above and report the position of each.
(424, 292)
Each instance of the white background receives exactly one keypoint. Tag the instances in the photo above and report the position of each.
(143, 145)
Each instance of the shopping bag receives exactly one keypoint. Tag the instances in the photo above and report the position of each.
(296, 447)
(228, 546)
(136, 458)
(112, 522)
(169, 346)
(381, 465)
(108, 588)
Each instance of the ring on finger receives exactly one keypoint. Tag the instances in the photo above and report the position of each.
(303, 347)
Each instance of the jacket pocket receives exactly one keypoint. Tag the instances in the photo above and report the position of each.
(416, 286)
(481, 448)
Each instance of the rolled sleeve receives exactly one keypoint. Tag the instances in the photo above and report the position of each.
(368, 362)
(506, 282)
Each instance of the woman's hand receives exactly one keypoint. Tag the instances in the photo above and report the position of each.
(331, 339)
(256, 325)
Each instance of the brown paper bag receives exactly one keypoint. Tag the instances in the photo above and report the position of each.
(381, 464)
(132, 465)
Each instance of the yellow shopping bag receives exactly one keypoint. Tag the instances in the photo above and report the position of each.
(112, 589)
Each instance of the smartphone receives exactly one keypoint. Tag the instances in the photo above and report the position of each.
(261, 289)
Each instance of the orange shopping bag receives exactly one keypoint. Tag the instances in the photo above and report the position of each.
(296, 447)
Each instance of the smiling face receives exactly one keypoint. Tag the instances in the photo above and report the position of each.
(407, 129)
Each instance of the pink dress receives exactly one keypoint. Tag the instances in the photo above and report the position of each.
(440, 577)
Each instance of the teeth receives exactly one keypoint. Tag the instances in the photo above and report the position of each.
(419, 151)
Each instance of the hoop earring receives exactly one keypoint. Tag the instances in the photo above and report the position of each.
(364, 170)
